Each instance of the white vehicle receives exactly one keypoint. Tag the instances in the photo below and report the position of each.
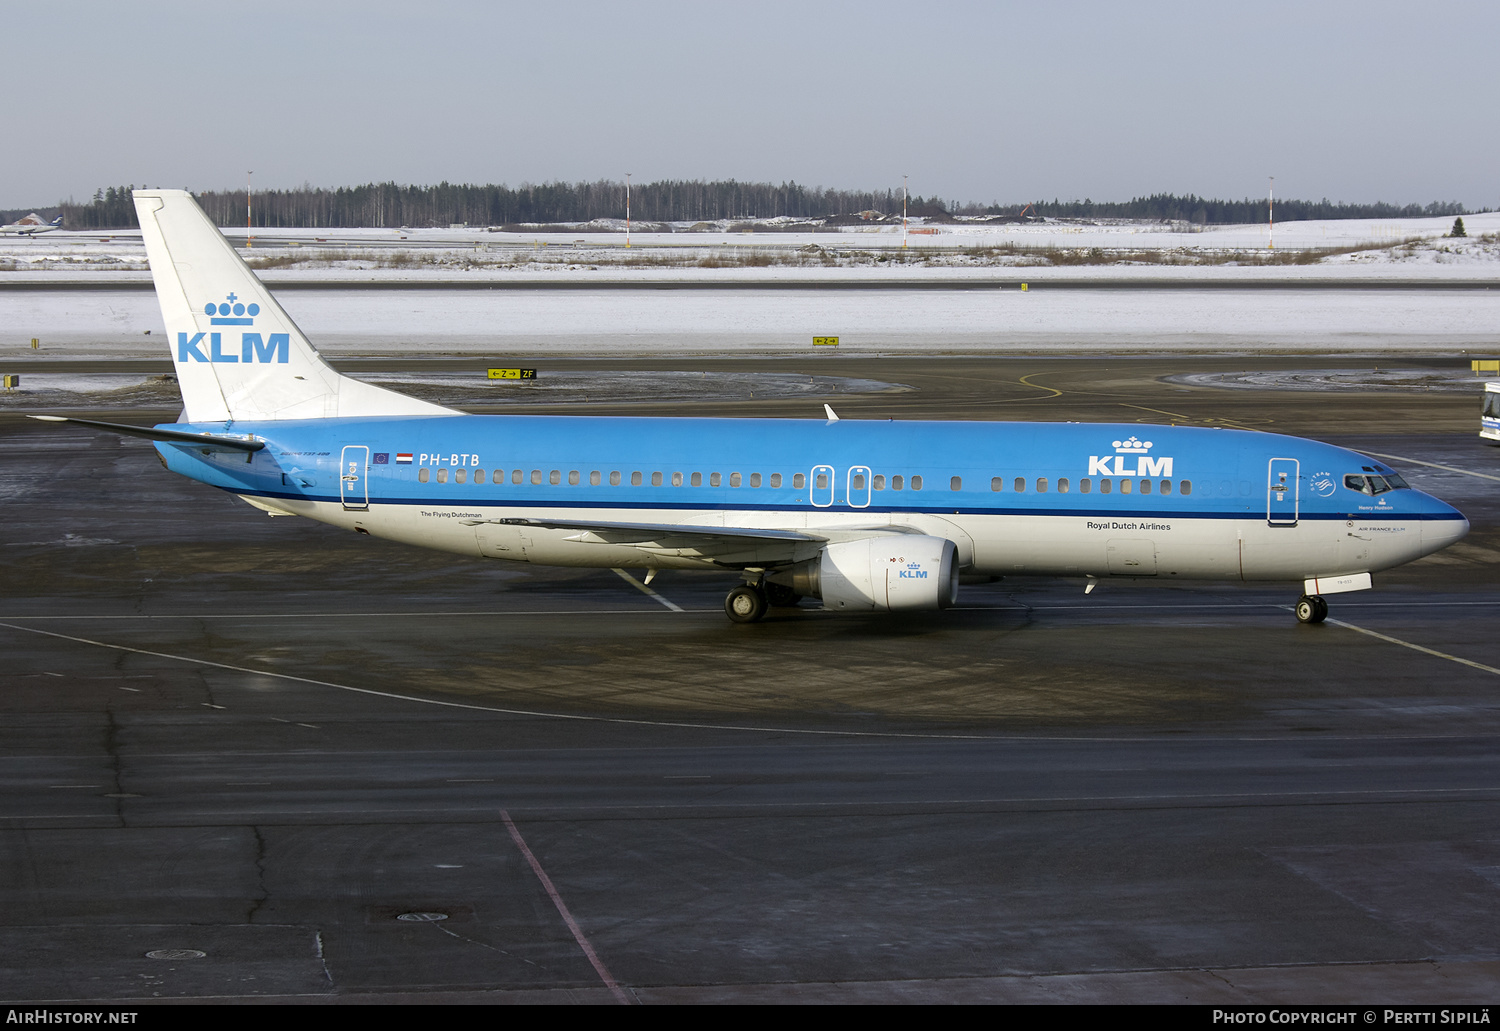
(1489, 419)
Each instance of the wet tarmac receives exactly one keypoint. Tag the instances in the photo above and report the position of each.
(345, 770)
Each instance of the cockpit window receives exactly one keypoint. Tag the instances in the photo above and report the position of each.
(1376, 484)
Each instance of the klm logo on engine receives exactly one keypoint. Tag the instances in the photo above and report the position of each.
(913, 571)
(1131, 458)
(253, 348)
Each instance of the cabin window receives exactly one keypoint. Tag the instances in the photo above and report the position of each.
(916, 483)
(614, 477)
(714, 479)
(677, 479)
(423, 474)
(635, 479)
(1041, 484)
(775, 479)
(896, 482)
(799, 481)
(1020, 485)
(515, 477)
(460, 475)
(1062, 485)
(1085, 485)
(997, 483)
(478, 475)
(755, 479)
(1185, 487)
(734, 479)
(594, 478)
(822, 481)
(1125, 487)
(1105, 486)
(697, 480)
(656, 479)
(859, 481)
(536, 476)
(956, 483)
(1166, 487)
(555, 478)
(442, 476)
(1145, 486)
(878, 481)
(498, 476)
(572, 477)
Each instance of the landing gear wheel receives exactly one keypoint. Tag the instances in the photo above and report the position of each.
(1311, 608)
(781, 596)
(745, 604)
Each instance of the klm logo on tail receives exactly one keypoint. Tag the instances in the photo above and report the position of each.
(275, 347)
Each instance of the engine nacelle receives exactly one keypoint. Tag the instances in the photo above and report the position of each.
(894, 573)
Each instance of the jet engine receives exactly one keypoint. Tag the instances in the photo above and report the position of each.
(894, 573)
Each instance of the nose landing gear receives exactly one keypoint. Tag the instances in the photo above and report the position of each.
(1311, 608)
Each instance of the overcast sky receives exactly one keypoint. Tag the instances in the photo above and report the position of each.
(1355, 101)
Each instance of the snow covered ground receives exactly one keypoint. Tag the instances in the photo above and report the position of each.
(745, 321)
(955, 290)
(1336, 249)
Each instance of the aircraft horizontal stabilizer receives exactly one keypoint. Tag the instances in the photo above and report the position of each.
(165, 436)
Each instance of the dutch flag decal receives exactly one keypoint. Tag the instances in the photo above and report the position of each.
(403, 458)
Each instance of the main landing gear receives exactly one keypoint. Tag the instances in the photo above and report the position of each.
(748, 603)
(1311, 608)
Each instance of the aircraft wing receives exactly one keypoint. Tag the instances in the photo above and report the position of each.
(730, 546)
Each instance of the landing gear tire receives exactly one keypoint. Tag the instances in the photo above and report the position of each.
(1311, 608)
(745, 604)
(781, 596)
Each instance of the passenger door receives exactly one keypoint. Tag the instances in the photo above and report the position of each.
(354, 487)
(1282, 494)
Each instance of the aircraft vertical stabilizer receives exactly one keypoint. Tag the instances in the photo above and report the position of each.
(238, 354)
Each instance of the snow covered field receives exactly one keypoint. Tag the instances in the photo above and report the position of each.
(744, 321)
(1409, 289)
(1335, 249)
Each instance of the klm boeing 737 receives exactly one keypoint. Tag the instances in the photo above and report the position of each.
(864, 515)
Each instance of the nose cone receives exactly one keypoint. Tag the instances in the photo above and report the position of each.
(1447, 528)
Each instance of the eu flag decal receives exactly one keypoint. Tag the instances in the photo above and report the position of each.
(382, 458)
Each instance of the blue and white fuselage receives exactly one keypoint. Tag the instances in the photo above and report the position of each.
(1015, 498)
(864, 515)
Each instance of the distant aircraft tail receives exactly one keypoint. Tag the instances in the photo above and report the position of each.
(238, 355)
(56, 223)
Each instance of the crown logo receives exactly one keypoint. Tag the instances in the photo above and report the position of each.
(1132, 446)
(231, 312)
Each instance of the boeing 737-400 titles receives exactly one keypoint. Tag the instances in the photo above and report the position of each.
(864, 515)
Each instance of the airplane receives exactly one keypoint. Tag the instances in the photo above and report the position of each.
(31, 225)
(864, 515)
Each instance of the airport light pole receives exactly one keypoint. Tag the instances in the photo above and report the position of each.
(249, 240)
(903, 212)
(1271, 215)
(627, 210)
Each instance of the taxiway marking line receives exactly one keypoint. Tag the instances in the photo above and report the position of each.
(562, 909)
(487, 708)
(646, 590)
(1416, 647)
(1433, 465)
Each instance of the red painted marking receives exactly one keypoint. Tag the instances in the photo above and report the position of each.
(562, 909)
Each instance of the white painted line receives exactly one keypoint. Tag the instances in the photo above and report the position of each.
(1416, 647)
(646, 590)
(367, 615)
(1432, 465)
(488, 708)
(562, 909)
